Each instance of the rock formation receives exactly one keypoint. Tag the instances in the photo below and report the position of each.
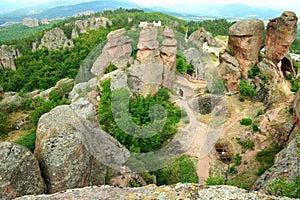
(19, 172)
(30, 22)
(93, 23)
(87, 12)
(193, 56)
(286, 166)
(71, 153)
(55, 39)
(168, 55)
(118, 46)
(207, 103)
(201, 36)
(281, 33)
(74, 33)
(246, 38)
(8, 55)
(176, 192)
(45, 21)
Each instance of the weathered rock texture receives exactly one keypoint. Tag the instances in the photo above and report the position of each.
(193, 56)
(19, 172)
(55, 39)
(118, 46)
(246, 38)
(201, 36)
(71, 153)
(92, 23)
(281, 33)
(8, 55)
(229, 70)
(30, 22)
(286, 166)
(176, 192)
(207, 103)
(168, 55)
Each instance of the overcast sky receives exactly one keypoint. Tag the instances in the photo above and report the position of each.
(282, 4)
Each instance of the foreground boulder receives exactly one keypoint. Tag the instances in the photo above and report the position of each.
(281, 33)
(246, 38)
(71, 153)
(286, 166)
(19, 172)
(178, 191)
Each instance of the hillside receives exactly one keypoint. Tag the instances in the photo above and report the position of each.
(107, 100)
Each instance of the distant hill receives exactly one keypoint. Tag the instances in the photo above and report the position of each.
(50, 11)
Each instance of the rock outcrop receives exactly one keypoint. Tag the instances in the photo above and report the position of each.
(30, 22)
(168, 54)
(8, 55)
(93, 23)
(281, 33)
(118, 46)
(201, 36)
(229, 70)
(19, 172)
(73, 154)
(193, 56)
(55, 39)
(246, 39)
(207, 103)
(176, 192)
(45, 21)
(84, 13)
(286, 166)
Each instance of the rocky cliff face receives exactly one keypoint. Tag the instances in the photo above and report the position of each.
(30, 22)
(55, 39)
(8, 55)
(118, 47)
(176, 192)
(93, 23)
(246, 38)
(45, 21)
(201, 36)
(281, 33)
(19, 172)
(286, 166)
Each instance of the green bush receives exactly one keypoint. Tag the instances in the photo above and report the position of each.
(259, 112)
(246, 121)
(28, 141)
(237, 159)
(214, 181)
(281, 187)
(247, 144)
(182, 66)
(255, 127)
(246, 89)
(254, 71)
(266, 158)
(110, 68)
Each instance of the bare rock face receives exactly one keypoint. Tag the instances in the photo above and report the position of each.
(246, 38)
(8, 55)
(45, 21)
(93, 23)
(55, 39)
(168, 55)
(176, 192)
(30, 22)
(201, 36)
(74, 33)
(118, 45)
(19, 172)
(286, 166)
(71, 153)
(281, 33)
(229, 70)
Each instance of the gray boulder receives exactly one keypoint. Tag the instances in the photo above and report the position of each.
(55, 39)
(19, 172)
(8, 55)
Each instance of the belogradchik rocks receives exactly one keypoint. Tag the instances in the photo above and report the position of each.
(118, 46)
(174, 192)
(19, 172)
(73, 154)
(246, 38)
(281, 33)
(201, 36)
(8, 55)
(55, 39)
(286, 166)
(30, 22)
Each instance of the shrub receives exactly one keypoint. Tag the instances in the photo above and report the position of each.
(247, 144)
(28, 141)
(281, 187)
(110, 68)
(259, 112)
(255, 127)
(246, 89)
(246, 121)
(254, 71)
(237, 159)
(214, 181)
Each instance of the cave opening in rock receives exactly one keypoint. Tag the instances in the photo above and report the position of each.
(287, 67)
(180, 92)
